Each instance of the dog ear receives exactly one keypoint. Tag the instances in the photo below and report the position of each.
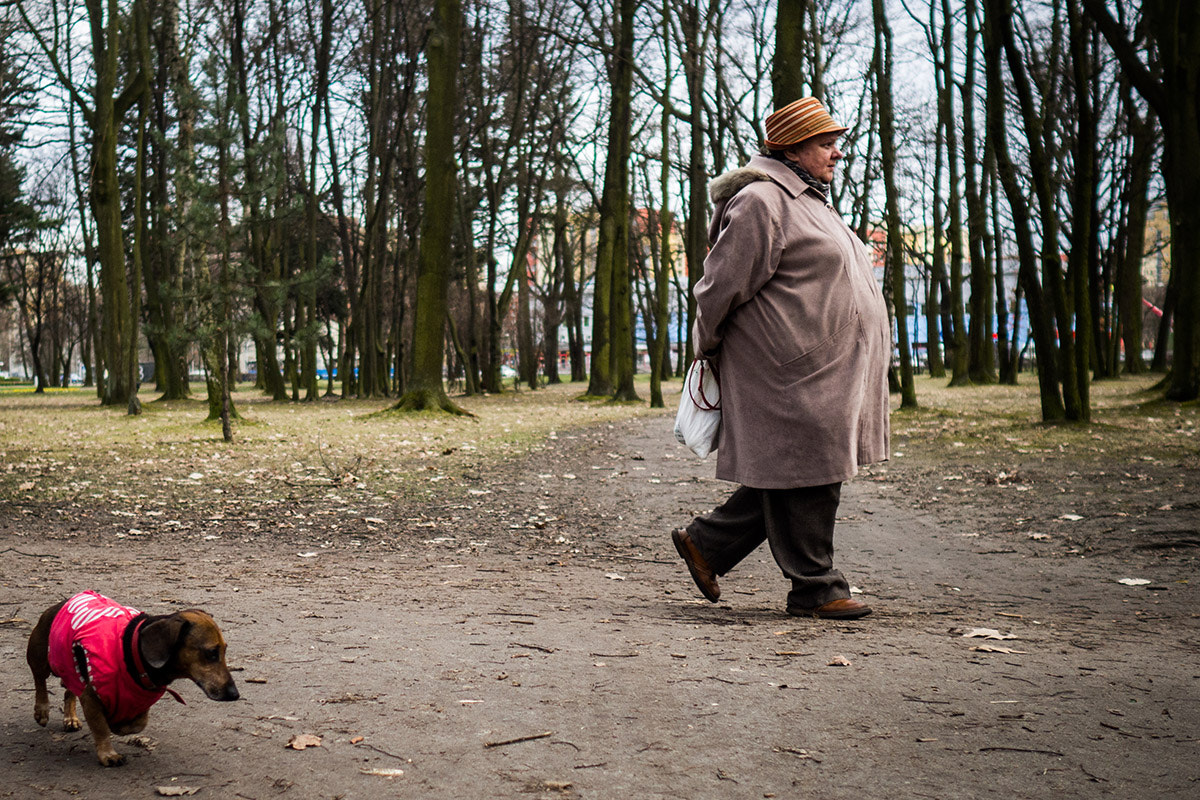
(160, 639)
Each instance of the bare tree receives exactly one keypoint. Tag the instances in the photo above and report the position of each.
(112, 96)
(1168, 83)
(887, 138)
(997, 25)
(427, 389)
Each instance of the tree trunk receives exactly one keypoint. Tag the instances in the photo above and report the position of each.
(259, 257)
(574, 309)
(695, 227)
(116, 327)
(214, 303)
(610, 303)
(1175, 97)
(552, 311)
(662, 264)
(426, 390)
(621, 305)
(141, 24)
(1083, 203)
(993, 248)
(312, 390)
(887, 139)
(981, 355)
(167, 306)
(1043, 179)
(1129, 258)
(934, 300)
(90, 351)
(787, 70)
(527, 365)
(995, 20)
(958, 353)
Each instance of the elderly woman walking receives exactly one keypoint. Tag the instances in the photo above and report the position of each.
(789, 311)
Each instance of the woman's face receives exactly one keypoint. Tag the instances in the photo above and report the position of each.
(818, 156)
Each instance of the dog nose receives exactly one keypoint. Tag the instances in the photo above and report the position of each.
(231, 692)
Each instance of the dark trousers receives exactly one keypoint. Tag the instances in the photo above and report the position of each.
(797, 523)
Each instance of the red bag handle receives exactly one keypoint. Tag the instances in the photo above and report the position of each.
(704, 403)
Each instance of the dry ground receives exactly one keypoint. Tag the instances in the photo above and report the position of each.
(492, 606)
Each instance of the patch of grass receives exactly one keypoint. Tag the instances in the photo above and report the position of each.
(981, 458)
(65, 447)
(1005, 420)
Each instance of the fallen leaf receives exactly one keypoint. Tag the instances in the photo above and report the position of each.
(382, 772)
(838, 661)
(303, 740)
(1134, 581)
(307, 555)
(1071, 517)
(356, 740)
(175, 791)
(25, 487)
(987, 633)
(612, 576)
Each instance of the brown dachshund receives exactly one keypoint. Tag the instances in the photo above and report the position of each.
(119, 662)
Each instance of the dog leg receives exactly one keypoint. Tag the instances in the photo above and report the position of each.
(70, 718)
(37, 655)
(41, 698)
(93, 711)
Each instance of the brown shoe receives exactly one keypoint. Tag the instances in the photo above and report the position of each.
(702, 574)
(845, 608)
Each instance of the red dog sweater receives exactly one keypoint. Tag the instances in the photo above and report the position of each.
(88, 647)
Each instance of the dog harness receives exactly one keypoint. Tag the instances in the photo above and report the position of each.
(94, 642)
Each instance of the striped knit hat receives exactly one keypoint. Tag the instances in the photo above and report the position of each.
(797, 121)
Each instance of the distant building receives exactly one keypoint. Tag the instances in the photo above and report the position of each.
(1156, 263)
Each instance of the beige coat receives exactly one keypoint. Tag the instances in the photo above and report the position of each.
(789, 304)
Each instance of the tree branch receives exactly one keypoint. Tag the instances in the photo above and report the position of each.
(58, 70)
(1139, 74)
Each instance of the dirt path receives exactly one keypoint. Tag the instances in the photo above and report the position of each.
(548, 602)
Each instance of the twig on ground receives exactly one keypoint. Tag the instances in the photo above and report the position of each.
(635, 558)
(519, 739)
(1020, 750)
(28, 555)
(380, 750)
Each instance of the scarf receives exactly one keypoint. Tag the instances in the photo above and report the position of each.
(804, 175)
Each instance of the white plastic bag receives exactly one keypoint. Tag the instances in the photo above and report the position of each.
(699, 415)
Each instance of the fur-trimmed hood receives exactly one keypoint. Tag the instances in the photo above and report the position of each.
(726, 185)
(760, 168)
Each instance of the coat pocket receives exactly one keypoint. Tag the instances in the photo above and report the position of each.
(824, 352)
